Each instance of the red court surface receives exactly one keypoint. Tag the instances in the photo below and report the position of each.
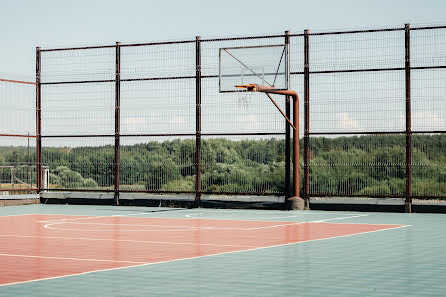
(36, 247)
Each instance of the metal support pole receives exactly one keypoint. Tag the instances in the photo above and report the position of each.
(295, 201)
(28, 162)
(296, 148)
(408, 202)
(287, 136)
(38, 122)
(117, 122)
(306, 119)
(197, 121)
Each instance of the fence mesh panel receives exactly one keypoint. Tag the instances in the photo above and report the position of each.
(429, 165)
(365, 165)
(82, 163)
(78, 109)
(428, 47)
(357, 102)
(166, 115)
(158, 107)
(358, 51)
(243, 164)
(157, 164)
(78, 65)
(17, 136)
(158, 61)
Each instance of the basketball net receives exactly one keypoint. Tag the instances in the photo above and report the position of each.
(244, 97)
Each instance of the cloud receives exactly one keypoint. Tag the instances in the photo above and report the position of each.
(133, 121)
(427, 120)
(133, 124)
(249, 122)
(393, 121)
(420, 120)
(177, 120)
(5, 131)
(345, 121)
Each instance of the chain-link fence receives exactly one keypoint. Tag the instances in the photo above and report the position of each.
(17, 136)
(150, 117)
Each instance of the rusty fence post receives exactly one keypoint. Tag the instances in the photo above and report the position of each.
(197, 121)
(408, 202)
(117, 122)
(38, 122)
(287, 136)
(306, 118)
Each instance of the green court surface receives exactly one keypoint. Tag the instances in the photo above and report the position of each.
(403, 257)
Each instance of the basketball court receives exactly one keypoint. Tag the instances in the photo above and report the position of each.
(72, 250)
(55, 250)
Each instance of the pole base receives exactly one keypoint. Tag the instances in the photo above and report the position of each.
(296, 203)
(408, 207)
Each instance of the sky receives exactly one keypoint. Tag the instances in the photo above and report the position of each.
(48, 23)
(24, 25)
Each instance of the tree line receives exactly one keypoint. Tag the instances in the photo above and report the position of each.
(366, 165)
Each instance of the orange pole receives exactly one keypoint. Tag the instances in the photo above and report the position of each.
(292, 93)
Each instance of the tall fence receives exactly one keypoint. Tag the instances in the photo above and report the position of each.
(149, 117)
(17, 136)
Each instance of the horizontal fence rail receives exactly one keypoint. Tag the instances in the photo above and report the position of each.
(149, 118)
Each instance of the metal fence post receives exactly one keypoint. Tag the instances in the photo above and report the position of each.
(408, 202)
(117, 122)
(287, 136)
(38, 122)
(197, 121)
(306, 118)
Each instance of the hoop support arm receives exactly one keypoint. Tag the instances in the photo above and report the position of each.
(295, 125)
(293, 94)
(277, 106)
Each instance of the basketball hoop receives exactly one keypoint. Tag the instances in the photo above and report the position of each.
(254, 64)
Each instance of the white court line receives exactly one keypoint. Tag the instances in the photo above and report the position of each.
(71, 219)
(343, 218)
(156, 225)
(300, 214)
(184, 228)
(18, 215)
(276, 226)
(127, 240)
(292, 215)
(82, 217)
(76, 259)
(192, 215)
(197, 257)
(48, 226)
(198, 216)
(129, 214)
(299, 223)
(303, 212)
(195, 215)
(138, 213)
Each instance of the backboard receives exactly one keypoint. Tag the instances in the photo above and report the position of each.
(265, 65)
